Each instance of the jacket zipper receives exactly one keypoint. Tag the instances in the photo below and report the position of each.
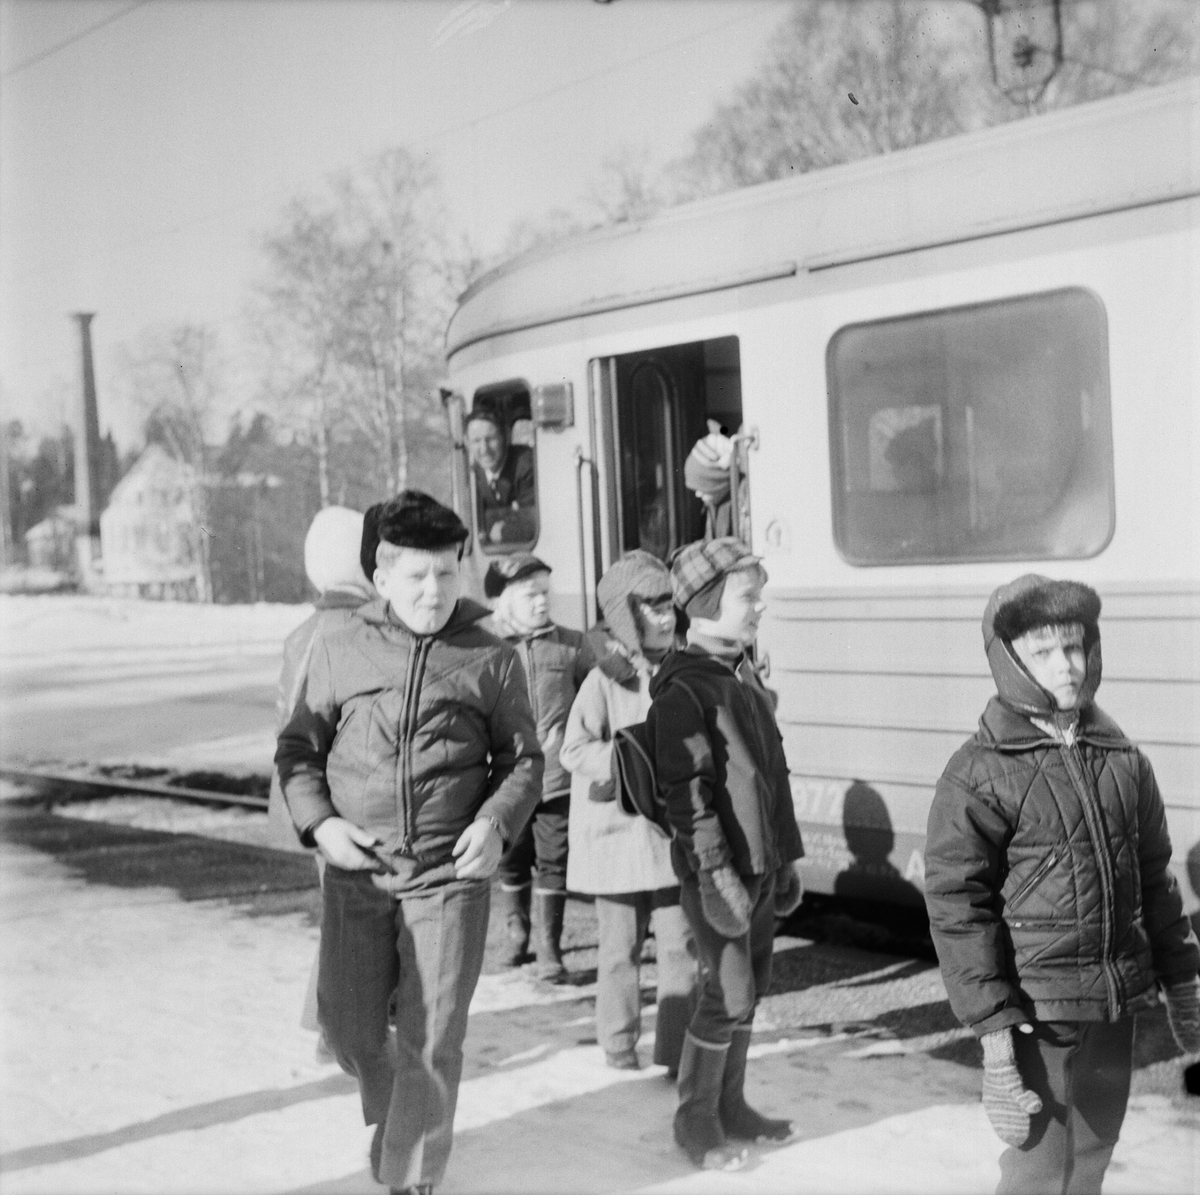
(1094, 819)
(1042, 870)
(406, 733)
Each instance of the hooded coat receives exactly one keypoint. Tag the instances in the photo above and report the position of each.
(723, 775)
(412, 737)
(1047, 874)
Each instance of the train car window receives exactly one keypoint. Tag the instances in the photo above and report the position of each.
(499, 435)
(973, 433)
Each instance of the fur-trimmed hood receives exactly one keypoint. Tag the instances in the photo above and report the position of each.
(1022, 605)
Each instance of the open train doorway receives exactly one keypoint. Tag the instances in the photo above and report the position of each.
(655, 404)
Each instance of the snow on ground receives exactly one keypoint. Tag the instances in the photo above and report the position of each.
(151, 1045)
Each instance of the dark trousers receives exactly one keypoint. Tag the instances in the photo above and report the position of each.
(542, 844)
(622, 921)
(1081, 1070)
(734, 972)
(428, 949)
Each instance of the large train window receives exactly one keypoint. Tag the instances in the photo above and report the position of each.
(500, 446)
(973, 433)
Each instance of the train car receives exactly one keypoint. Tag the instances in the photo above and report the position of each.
(945, 367)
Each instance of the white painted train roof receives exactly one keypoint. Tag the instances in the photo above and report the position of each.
(1096, 157)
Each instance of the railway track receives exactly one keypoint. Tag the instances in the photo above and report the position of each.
(89, 782)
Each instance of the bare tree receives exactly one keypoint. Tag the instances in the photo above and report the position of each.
(352, 312)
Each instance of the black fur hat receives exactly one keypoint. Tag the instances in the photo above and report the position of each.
(1048, 603)
(413, 519)
(370, 539)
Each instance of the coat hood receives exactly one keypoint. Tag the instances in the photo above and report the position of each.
(465, 613)
(682, 663)
(1028, 602)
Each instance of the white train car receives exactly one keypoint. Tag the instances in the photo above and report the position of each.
(950, 365)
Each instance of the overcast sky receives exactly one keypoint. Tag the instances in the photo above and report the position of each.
(146, 147)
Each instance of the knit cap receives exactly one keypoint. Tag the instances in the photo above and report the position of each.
(636, 575)
(331, 549)
(698, 572)
(504, 570)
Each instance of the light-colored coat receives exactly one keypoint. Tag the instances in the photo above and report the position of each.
(610, 851)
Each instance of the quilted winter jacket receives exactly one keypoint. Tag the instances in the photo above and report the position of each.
(723, 776)
(412, 737)
(556, 660)
(1046, 866)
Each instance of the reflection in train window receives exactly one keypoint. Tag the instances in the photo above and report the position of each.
(499, 438)
(973, 433)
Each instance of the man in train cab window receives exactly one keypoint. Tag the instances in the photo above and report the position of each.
(725, 785)
(410, 760)
(504, 480)
(1053, 909)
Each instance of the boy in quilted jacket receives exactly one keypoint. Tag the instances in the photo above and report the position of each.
(1053, 909)
(556, 660)
(724, 781)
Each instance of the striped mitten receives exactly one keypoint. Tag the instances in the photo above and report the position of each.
(725, 901)
(1183, 1013)
(1008, 1103)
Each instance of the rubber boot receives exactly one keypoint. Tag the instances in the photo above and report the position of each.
(738, 1119)
(698, 1129)
(550, 907)
(513, 905)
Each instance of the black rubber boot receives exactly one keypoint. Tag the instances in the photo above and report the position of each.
(738, 1119)
(549, 910)
(698, 1129)
(513, 906)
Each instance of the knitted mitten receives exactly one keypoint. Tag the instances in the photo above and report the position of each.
(1007, 1101)
(725, 901)
(789, 890)
(1183, 1013)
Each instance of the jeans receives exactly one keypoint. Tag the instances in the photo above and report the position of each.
(734, 972)
(428, 949)
(622, 921)
(544, 842)
(1081, 1070)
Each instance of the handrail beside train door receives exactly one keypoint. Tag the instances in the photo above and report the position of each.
(739, 498)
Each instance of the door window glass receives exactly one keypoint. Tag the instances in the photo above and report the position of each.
(973, 433)
(653, 460)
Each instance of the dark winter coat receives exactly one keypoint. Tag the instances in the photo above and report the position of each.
(332, 609)
(556, 661)
(412, 737)
(722, 773)
(1046, 865)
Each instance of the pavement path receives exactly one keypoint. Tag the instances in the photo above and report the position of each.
(151, 985)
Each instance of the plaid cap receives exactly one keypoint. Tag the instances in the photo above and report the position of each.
(696, 567)
(504, 570)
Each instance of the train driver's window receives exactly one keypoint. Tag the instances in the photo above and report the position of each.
(499, 436)
(973, 433)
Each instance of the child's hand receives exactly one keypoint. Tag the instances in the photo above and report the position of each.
(1183, 1014)
(341, 841)
(1009, 1104)
(477, 851)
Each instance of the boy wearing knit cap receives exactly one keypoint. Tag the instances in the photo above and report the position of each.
(623, 861)
(1052, 906)
(556, 659)
(410, 759)
(725, 784)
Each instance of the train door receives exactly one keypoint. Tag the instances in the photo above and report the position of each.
(650, 408)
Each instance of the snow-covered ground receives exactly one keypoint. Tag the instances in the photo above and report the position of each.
(152, 1045)
(103, 680)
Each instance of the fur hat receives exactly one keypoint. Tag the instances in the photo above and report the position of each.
(1045, 603)
(331, 549)
(413, 519)
(370, 539)
(1029, 602)
(503, 571)
(636, 575)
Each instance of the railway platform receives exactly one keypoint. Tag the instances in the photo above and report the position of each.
(152, 982)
